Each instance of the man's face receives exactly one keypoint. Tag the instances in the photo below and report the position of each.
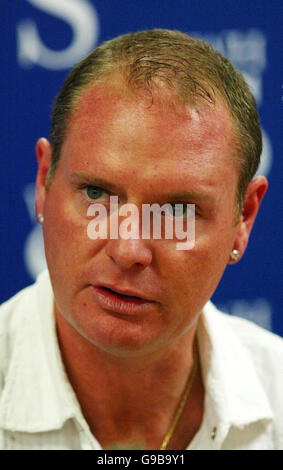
(142, 153)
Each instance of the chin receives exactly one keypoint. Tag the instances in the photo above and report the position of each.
(121, 338)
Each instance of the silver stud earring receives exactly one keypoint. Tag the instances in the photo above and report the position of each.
(40, 218)
(234, 254)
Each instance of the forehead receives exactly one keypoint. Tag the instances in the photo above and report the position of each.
(102, 104)
(113, 124)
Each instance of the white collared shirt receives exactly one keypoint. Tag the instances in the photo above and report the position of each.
(242, 367)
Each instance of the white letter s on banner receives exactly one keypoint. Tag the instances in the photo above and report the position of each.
(82, 18)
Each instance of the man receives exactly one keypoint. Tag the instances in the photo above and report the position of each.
(125, 348)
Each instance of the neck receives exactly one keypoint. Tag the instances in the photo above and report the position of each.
(134, 398)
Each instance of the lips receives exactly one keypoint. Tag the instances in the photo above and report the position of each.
(124, 301)
(122, 295)
(127, 292)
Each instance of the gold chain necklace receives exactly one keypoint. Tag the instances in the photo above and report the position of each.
(182, 403)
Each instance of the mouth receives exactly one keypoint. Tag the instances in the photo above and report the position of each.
(123, 296)
(121, 302)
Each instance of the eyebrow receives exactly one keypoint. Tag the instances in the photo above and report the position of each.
(189, 195)
(100, 182)
(94, 181)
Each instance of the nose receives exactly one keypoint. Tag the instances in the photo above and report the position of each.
(129, 253)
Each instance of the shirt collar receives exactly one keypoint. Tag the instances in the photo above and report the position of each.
(36, 375)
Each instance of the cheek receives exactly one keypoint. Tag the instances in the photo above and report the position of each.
(192, 276)
(67, 245)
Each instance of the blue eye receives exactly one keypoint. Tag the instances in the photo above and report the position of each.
(93, 192)
(178, 210)
(181, 210)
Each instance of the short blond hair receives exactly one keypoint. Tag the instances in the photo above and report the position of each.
(189, 66)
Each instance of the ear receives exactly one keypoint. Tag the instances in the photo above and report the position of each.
(253, 197)
(43, 153)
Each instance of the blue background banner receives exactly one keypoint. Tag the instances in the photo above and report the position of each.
(43, 39)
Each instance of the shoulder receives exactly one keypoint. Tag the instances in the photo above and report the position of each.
(18, 312)
(265, 350)
(24, 299)
(250, 362)
(246, 343)
(263, 346)
(15, 308)
(13, 316)
(255, 339)
(10, 306)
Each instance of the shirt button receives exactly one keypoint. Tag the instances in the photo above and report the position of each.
(213, 433)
